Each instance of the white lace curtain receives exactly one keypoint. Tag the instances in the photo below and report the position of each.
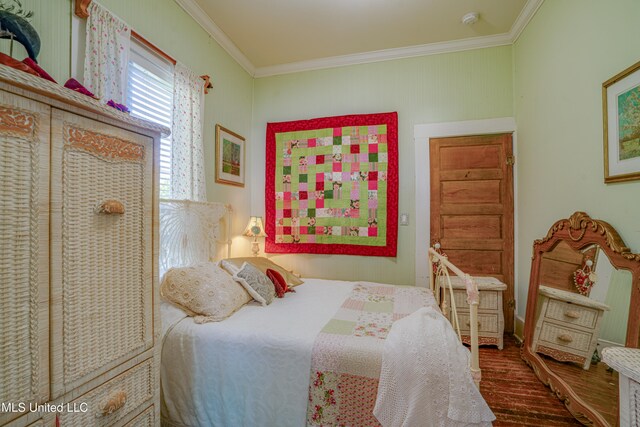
(107, 54)
(187, 161)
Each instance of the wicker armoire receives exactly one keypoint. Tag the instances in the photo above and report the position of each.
(79, 323)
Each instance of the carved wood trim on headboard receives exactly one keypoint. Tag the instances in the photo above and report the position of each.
(82, 8)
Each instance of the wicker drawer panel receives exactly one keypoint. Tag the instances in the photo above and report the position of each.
(486, 322)
(571, 313)
(24, 234)
(561, 337)
(124, 393)
(145, 419)
(105, 283)
(488, 299)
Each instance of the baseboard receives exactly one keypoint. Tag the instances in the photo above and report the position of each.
(519, 329)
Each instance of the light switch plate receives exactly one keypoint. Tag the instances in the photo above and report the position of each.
(404, 219)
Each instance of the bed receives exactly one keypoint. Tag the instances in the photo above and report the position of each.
(321, 356)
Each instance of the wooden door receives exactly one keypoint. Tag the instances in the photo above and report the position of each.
(472, 206)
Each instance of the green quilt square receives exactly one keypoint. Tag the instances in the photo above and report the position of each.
(379, 307)
(302, 177)
(286, 170)
(339, 327)
(311, 212)
(328, 194)
(337, 140)
(373, 157)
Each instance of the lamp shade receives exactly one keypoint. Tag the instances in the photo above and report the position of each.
(255, 227)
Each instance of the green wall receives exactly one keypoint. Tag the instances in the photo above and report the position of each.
(166, 25)
(560, 62)
(469, 85)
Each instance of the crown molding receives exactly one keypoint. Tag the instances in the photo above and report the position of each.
(385, 55)
(196, 12)
(526, 14)
(200, 16)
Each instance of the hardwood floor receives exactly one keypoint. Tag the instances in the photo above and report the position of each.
(515, 394)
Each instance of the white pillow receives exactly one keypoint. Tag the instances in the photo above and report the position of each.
(204, 291)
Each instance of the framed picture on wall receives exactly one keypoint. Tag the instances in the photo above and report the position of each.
(230, 157)
(621, 111)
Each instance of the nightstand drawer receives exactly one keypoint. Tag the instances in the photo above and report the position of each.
(486, 322)
(488, 300)
(571, 313)
(561, 337)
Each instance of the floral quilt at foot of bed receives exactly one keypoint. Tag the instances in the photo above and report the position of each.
(347, 354)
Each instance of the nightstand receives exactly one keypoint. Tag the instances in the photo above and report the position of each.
(490, 314)
(567, 326)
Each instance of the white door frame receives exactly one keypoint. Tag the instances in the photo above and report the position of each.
(422, 134)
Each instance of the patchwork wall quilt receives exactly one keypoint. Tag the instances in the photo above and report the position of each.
(332, 185)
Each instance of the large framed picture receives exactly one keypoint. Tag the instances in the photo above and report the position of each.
(621, 111)
(230, 157)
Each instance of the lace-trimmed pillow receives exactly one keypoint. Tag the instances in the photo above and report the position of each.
(256, 283)
(233, 265)
(204, 291)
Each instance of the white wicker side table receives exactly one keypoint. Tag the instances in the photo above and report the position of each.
(490, 315)
(627, 362)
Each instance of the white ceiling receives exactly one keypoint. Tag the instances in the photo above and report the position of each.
(278, 36)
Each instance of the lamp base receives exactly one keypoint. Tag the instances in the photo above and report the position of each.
(255, 247)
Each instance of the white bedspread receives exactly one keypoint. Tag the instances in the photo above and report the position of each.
(218, 374)
(436, 390)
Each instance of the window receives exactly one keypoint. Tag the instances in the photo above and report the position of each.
(150, 97)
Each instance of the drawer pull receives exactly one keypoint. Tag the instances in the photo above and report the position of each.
(115, 402)
(110, 207)
(469, 323)
(565, 338)
(572, 314)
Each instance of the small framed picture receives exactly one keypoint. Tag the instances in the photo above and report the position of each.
(230, 157)
(621, 111)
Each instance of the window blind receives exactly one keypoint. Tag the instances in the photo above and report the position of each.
(150, 97)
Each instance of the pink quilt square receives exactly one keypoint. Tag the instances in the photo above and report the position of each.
(346, 176)
(304, 195)
(312, 142)
(311, 238)
(373, 185)
(355, 194)
(320, 159)
(320, 203)
(337, 167)
(373, 148)
(359, 397)
(373, 203)
(364, 157)
(286, 195)
(303, 229)
(355, 166)
(373, 232)
(355, 149)
(302, 204)
(311, 160)
(337, 131)
(286, 204)
(302, 186)
(373, 176)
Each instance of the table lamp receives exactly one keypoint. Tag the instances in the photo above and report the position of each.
(255, 229)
